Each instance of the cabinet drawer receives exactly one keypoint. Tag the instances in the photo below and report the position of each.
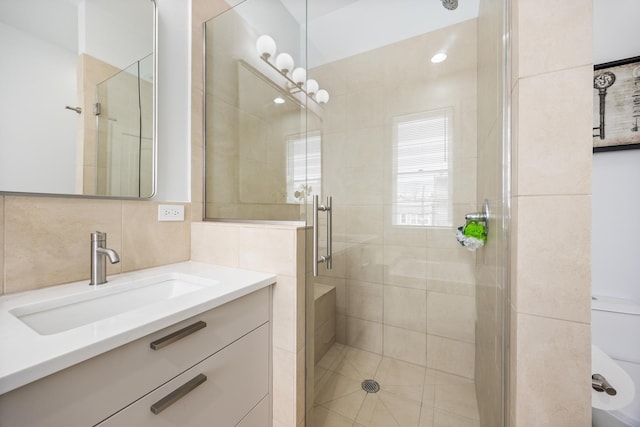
(260, 416)
(101, 386)
(236, 380)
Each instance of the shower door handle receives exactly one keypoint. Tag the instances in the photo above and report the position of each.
(317, 260)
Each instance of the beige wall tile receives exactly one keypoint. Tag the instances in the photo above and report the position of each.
(364, 334)
(148, 242)
(554, 121)
(405, 266)
(404, 344)
(284, 386)
(49, 239)
(285, 314)
(364, 300)
(364, 224)
(215, 243)
(268, 249)
(552, 36)
(365, 263)
(553, 372)
(451, 316)
(455, 357)
(553, 257)
(405, 308)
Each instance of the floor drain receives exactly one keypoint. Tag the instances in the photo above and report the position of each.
(370, 386)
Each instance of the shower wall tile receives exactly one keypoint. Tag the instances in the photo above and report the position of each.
(364, 300)
(366, 147)
(395, 235)
(552, 264)
(405, 266)
(141, 229)
(554, 121)
(451, 316)
(364, 109)
(552, 36)
(364, 334)
(364, 224)
(47, 239)
(404, 344)
(464, 180)
(365, 263)
(454, 357)
(405, 308)
(216, 243)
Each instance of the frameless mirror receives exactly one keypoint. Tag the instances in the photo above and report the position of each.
(77, 111)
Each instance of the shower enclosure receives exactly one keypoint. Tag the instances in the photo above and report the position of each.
(124, 122)
(404, 326)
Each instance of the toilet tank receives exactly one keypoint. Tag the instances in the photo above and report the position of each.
(615, 327)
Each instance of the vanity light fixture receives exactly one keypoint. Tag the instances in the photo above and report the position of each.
(311, 87)
(438, 57)
(283, 64)
(266, 46)
(299, 76)
(322, 97)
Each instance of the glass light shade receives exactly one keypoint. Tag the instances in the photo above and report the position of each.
(322, 96)
(312, 86)
(266, 46)
(299, 76)
(284, 62)
(279, 100)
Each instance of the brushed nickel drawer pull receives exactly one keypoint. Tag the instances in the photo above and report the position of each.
(177, 394)
(177, 335)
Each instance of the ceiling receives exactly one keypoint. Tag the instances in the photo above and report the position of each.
(369, 24)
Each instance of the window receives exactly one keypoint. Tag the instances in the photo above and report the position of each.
(421, 159)
(304, 166)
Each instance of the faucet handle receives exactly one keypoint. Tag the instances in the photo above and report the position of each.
(98, 236)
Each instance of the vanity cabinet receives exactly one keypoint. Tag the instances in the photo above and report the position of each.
(226, 349)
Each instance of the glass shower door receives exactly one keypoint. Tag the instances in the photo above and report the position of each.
(124, 116)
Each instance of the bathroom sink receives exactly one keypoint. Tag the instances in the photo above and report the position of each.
(106, 301)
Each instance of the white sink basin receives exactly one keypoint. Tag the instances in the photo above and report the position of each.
(105, 301)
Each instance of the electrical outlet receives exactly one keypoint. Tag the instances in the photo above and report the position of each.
(170, 213)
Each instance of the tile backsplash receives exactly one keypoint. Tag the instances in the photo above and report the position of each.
(45, 241)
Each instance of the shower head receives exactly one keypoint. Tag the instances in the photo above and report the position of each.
(450, 4)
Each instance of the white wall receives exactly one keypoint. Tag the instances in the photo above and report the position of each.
(174, 100)
(616, 175)
(37, 134)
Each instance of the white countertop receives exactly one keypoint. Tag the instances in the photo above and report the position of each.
(26, 355)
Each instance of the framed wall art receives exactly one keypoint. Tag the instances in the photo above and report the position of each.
(616, 105)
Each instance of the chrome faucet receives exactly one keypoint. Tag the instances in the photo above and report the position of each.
(98, 252)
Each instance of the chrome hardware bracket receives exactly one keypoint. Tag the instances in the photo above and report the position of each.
(327, 259)
(482, 216)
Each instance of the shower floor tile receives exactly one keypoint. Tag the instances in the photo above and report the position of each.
(410, 395)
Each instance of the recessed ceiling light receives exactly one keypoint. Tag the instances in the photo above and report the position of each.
(438, 57)
(279, 100)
